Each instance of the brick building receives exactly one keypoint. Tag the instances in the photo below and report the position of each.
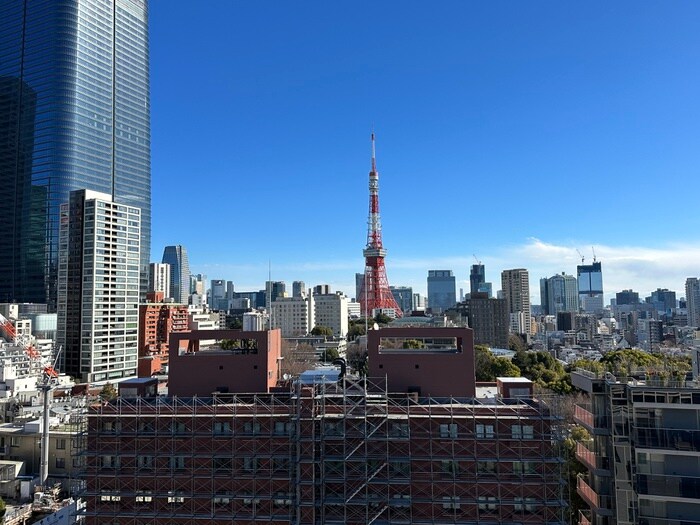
(352, 451)
(156, 321)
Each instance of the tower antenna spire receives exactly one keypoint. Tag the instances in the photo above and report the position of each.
(374, 154)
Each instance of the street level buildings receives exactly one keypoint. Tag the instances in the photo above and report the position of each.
(74, 114)
(98, 287)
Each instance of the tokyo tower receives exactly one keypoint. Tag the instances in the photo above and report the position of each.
(375, 291)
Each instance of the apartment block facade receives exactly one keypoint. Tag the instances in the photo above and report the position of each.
(348, 451)
(644, 457)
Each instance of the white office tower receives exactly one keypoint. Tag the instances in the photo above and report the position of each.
(159, 278)
(294, 316)
(331, 310)
(98, 287)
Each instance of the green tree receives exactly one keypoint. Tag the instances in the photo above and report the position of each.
(382, 319)
(413, 343)
(229, 344)
(234, 323)
(355, 330)
(329, 354)
(504, 367)
(3, 507)
(322, 330)
(488, 367)
(516, 343)
(108, 392)
(543, 370)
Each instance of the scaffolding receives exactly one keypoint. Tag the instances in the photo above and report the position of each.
(328, 453)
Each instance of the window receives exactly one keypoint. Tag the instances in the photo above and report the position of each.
(250, 464)
(61, 444)
(251, 428)
(177, 427)
(110, 462)
(334, 428)
(177, 462)
(399, 430)
(222, 500)
(14, 441)
(486, 467)
(484, 431)
(283, 428)
(143, 496)
(110, 427)
(280, 464)
(487, 503)
(449, 467)
(522, 431)
(60, 462)
(110, 496)
(282, 499)
(144, 462)
(450, 502)
(175, 497)
(145, 427)
(448, 430)
(524, 467)
(525, 504)
(222, 427)
(400, 469)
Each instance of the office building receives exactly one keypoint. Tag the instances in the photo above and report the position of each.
(590, 287)
(692, 299)
(74, 114)
(414, 442)
(331, 310)
(98, 287)
(477, 280)
(515, 285)
(217, 295)
(403, 295)
(664, 300)
(359, 281)
(643, 458)
(559, 293)
(157, 320)
(159, 278)
(274, 290)
(298, 288)
(176, 257)
(626, 297)
(442, 290)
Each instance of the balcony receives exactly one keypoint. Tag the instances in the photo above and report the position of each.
(583, 416)
(599, 504)
(583, 519)
(591, 459)
(668, 485)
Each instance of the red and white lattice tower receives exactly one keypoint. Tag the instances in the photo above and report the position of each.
(375, 291)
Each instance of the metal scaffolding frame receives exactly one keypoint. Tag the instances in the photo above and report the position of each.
(348, 453)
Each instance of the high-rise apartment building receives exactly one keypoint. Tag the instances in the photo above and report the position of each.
(488, 318)
(515, 285)
(692, 298)
(159, 278)
(590, 287)
(74, 114)
(176, 257)
(294, 316)
(442, 292)
(98, 287)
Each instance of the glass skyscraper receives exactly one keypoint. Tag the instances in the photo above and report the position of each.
(176, 257)
(74, 114)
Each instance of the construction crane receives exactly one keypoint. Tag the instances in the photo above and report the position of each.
(580, 255)
(593, 250)
(49, 378)
(476, 259)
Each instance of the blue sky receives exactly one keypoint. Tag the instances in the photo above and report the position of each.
(516, 131)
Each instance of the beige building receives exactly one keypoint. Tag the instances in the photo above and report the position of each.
(331, 310)
(294, 316)
(516, 291)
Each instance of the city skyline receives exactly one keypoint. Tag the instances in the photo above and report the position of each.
(505, 116)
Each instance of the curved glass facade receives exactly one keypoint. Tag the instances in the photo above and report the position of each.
(74, 114)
